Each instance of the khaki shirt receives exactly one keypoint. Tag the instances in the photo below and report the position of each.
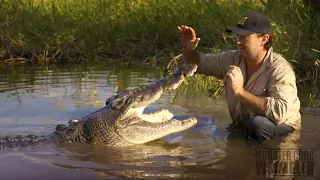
(275, 81)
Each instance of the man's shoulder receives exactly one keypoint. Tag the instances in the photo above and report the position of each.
(280, 65)
(278, 61)
(278, 58)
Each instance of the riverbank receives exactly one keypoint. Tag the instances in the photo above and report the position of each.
(144, 33)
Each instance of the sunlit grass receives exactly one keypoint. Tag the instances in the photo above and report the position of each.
(144, 32)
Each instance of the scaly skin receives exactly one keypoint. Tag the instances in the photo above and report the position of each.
(121, 121)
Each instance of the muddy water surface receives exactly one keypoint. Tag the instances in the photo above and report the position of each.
(35, 101)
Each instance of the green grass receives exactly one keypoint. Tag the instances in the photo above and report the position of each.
(144, 32)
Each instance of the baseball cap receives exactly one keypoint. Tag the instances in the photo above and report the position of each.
(253, 22)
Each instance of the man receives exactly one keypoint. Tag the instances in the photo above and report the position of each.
(260, 85)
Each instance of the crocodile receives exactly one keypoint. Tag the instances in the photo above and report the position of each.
(121, 121)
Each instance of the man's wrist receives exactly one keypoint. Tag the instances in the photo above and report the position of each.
(191, 56)
(188, 52)
(240, 93)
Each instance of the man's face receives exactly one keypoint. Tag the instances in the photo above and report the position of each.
(250, 46)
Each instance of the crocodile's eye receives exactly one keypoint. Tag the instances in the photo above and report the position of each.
(73, 121)
(60, 127)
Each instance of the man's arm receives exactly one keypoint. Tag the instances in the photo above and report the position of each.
(254, 103)
(283, 101)
(208, 64)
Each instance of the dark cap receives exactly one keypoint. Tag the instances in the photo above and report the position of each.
(253, 22)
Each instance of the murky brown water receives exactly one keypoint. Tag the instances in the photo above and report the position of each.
(35, 101)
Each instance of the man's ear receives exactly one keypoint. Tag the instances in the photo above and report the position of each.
(265, 39)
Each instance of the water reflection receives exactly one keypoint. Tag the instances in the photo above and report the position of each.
(34, 101)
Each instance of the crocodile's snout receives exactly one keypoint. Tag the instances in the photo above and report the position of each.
(189, 69)
(71, 133)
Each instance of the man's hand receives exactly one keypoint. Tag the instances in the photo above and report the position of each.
(189, 40)
(235, 79)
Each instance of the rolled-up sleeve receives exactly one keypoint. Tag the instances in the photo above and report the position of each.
(282, 93)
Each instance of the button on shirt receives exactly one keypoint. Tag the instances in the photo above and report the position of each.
(275, 81)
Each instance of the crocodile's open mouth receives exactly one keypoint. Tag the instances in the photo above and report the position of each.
(123, 120)
(138, 127)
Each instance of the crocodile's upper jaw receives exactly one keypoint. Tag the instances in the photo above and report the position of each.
(136, 127)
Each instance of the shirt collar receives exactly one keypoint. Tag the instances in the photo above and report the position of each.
(268, 59)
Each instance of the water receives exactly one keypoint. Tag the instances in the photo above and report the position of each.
(35, 101)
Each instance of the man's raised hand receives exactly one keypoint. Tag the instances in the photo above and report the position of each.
(189, 40)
